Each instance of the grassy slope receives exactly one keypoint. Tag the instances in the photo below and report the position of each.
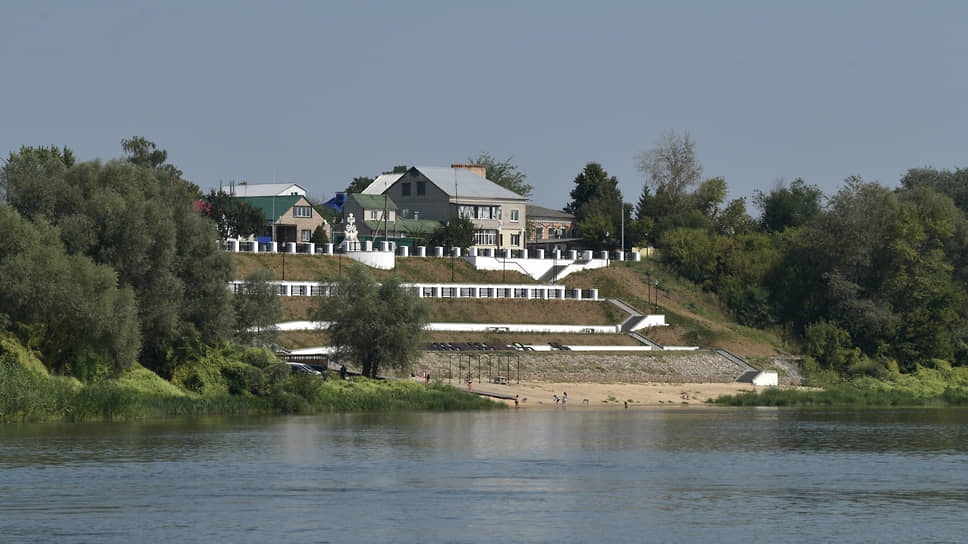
(694, 317)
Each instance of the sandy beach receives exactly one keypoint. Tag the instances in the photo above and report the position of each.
(540, 395)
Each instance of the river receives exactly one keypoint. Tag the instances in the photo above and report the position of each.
(577, 475)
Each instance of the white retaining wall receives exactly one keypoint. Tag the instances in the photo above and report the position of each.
(445, 290)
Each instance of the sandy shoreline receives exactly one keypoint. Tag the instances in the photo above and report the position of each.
(540, 395)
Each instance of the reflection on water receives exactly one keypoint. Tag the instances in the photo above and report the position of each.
(574, 476)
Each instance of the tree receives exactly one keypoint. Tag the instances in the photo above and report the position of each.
(358, 184)
(133, 219)
(671, 166)
(504, 173)
(951, 183)
(791, 206)
(459, 231)
(374, 325)
(257, 309)
(597, 204)
(319, 236)
(65, 306)
(143, 152)
(232, 217)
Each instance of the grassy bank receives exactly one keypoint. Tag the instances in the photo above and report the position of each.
(926, 387)
(218, 383)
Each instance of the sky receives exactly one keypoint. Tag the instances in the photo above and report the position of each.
(318, 93)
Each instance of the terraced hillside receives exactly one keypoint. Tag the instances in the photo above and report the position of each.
(694, 317)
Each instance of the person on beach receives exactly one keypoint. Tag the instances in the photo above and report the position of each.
(555, 396)
(564, 398)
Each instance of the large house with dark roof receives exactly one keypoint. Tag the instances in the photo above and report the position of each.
(439, 193)
(377, 216)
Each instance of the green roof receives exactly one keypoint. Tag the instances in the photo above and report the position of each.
(372, 202)
(273, 207)
(406, 225)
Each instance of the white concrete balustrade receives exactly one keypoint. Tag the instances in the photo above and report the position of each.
(444, 290)
(538, 264)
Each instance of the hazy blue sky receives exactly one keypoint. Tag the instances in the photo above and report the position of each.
(320, 92)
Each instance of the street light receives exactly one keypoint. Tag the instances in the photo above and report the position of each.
(605, 246)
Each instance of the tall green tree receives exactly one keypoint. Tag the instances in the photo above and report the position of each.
(791, 206)
(374, 325)
(232, 217)
(132, 218)
(358, 184)
(953, 183)
(457, 232)
(596, 202)
(65, 306)
(258, 309)
(504, 173)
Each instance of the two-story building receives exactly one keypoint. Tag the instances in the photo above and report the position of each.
(551, 229)
(377, 217)
(439, 193)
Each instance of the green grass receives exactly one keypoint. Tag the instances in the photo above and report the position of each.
(926, 387)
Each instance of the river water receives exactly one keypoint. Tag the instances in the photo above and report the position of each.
(582, 475)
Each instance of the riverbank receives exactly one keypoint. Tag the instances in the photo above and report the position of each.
(540, 394)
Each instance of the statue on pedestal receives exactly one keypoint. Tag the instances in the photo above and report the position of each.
(350, 240)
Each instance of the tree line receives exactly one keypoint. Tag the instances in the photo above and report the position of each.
(103, 264)
(866, 280)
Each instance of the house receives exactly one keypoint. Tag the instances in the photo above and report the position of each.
(266, 189)
(376, 215)
(289, 218)
(439, 193)
(550, 229)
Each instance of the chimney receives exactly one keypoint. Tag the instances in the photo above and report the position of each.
(478, 169)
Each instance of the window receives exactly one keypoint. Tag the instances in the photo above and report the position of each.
(466, 211)
(421, 188)
(406, 188)
(485, 237)
(299, 290)
(373, 214)
(514, 215)
(515, 239)
(302, 211)
(307, 235)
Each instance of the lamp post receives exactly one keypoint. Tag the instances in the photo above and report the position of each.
(554, 268)
(500, 240)
(605, 246)
(656, 296)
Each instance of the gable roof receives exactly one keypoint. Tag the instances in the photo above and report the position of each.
(541, 212)
(372, 202)
(273, 207)
(265, 189)
(458, 182)
(381, 184)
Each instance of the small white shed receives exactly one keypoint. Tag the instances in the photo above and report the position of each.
(767, 377)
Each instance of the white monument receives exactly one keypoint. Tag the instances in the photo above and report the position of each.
(350, 240)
